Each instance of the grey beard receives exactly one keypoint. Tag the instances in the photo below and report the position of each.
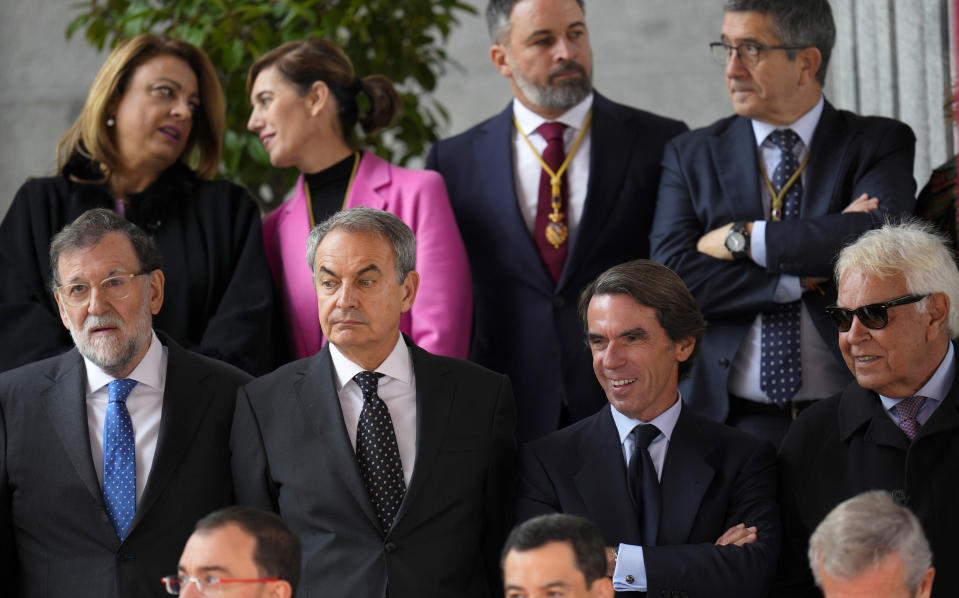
(112, 355)
(556, 96)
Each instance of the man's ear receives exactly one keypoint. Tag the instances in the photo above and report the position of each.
(500, 59)
(937, 307)
(810, 59)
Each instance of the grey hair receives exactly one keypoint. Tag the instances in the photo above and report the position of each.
(374, 222)
(910, 249)
(862, 532)
(802, 23)
(90, 228)
(497, 18)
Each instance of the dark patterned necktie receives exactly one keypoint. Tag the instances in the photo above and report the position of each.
(907, 409)
(553, 155)
(780, 373)
(377, 452)
(119, 458)
(643, 482)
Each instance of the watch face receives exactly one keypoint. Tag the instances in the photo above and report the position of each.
(736, 242)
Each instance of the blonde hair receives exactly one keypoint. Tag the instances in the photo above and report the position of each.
(90, 136)
(910, 249)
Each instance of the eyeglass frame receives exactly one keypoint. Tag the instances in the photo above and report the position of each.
(59, 289)
(835, 312)
(729, 49)
(184, 582)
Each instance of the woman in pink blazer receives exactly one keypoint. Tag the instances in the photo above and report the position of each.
(304, 96)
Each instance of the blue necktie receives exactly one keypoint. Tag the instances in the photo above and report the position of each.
(643, 482)
(119, 458)
(377, 453)
(780, 373)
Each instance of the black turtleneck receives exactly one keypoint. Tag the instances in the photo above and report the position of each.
(328, 188)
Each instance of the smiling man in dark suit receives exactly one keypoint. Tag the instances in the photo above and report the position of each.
(753, 208)
(110, 452)
(533, 244)
(394, 466)
(687, 505)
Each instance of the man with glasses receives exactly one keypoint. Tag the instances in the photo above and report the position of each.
(753, 208)
(897, 426)
(239, 551)
(109, 452)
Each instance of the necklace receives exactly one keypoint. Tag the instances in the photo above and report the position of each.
(556, 231)
(349, 186)
(776, 210)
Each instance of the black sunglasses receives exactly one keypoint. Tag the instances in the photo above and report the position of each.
(873, 316)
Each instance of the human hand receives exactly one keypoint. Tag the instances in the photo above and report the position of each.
(738, 535)
(713, 243)
(610, 560)
(863, 203)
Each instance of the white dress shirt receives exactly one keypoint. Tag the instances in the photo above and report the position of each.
(822, 375)
(629, 557)
(397, 388)
(527, 168)
(145, 405)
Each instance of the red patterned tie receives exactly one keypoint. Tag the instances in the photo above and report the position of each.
(553, 155)
(907, 409)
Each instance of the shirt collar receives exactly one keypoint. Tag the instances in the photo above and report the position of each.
(396, 365)
(574, 118)
(148, 371)
(805, 126)
(938, 385)
(665, 421)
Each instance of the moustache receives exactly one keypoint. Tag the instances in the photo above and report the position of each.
(566, 68)
(106, 320)
(352, 315)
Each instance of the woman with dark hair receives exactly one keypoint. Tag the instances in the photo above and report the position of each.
(154, 108)
(305, 109)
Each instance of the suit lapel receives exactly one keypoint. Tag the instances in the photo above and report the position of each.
(601, 480)
(64, 401)
(685, 478)
(317, 396)
(859, 407)
(734, 153)
(186, 399)
(435, 394)
(826, 156)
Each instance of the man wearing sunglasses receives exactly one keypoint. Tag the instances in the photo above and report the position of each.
(109, 452)
(897, 426)
(753, 208)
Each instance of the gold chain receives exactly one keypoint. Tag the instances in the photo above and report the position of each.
(346, 196)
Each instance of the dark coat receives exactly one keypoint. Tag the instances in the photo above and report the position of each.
(711, 178)
(56, 540)
(218, 297)
(292, 455)
(524, 324)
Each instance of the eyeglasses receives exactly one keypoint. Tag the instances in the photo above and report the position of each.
(113, 288)
(873, 316)
(208, 586)
(749, 54)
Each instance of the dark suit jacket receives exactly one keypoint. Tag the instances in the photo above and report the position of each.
(713, 478)
(292, 455)
(55, 537)
(711, 178)
(524, 324)
(847, 445)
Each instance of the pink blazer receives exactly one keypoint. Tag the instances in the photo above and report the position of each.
(441, 316)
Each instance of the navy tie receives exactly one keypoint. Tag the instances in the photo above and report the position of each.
(119, 458)
(643, 482)
(781, 365)
(377, 452)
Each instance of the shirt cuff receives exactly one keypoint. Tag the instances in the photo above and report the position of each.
(630, 573)
(788, 289)
(757, 242)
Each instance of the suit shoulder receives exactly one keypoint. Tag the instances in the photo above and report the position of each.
(729, 437)
(880, 125)
(463, 369)
(645, 121)
(29, 375)
(697, 138)
(466, 138)
(554, 442)
(225, 373)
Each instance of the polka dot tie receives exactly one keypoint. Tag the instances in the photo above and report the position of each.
(907, 409)
(377, 453)
(119, 458)
(781, 368)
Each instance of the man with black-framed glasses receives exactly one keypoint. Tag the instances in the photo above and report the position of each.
(110, 452)
(753, 208)
(897, 426)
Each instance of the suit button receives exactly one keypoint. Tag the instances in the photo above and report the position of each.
(630, 579)
(724, 362)
(389, 547)
(558, 301)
